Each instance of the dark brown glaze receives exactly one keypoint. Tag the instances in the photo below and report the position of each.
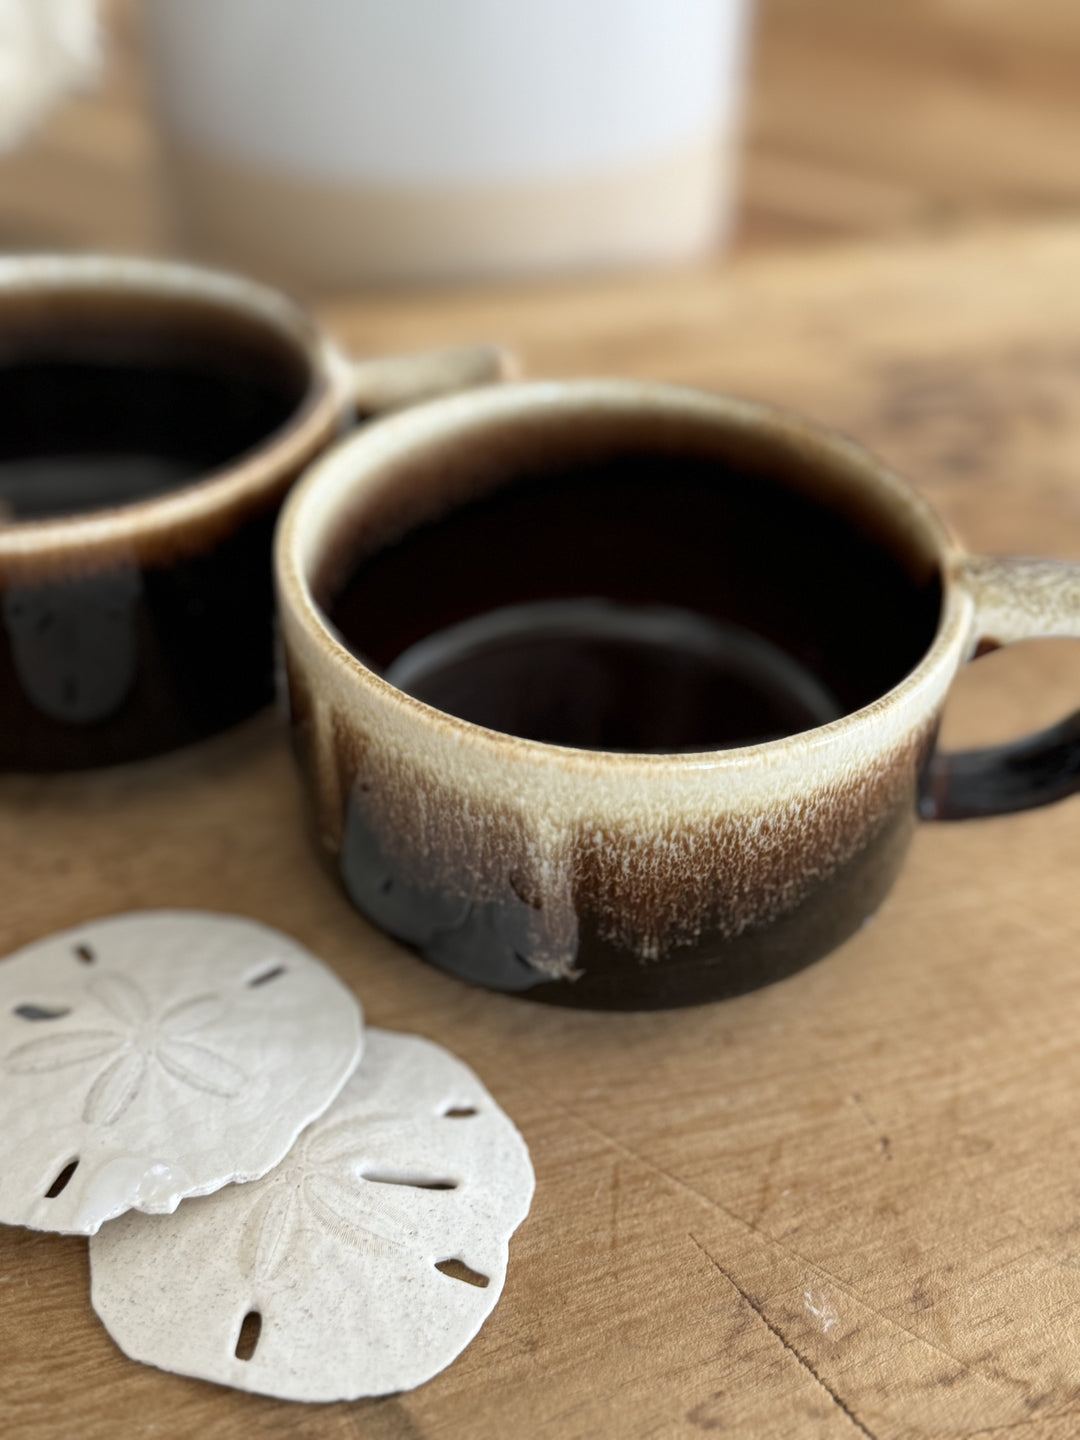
(78, 437)
(569, 872)
(1002, 779)
(687, 914)
(742, 550)
(115, 666)
(149, 441)
(718, 966)
(690, 910)
(675, 542)
(432, 483)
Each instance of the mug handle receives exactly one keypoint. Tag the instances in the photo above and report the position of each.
(1015, 599)
(393, 382)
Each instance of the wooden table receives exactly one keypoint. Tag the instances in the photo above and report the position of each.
(846, 1205)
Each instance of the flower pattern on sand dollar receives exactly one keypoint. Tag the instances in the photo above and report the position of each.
(321, 1184)
(136, 1040)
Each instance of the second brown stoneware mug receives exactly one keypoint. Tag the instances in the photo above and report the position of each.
(152, 418)
(626, 696)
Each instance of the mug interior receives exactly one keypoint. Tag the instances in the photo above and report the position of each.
(647, 577)
(114, 393)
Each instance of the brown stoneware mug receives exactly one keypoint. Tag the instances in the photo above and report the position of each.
(626, 696)
(152, 417)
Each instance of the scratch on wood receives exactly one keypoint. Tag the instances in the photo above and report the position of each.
(1017, 1426)
(766, 1192)
(841, 1405)
(773, 1242)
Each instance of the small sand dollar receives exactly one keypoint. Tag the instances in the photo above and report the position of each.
(157, 1055)
(363, 1264)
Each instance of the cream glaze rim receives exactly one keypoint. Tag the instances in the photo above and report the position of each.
(312, 504)
(217, 489)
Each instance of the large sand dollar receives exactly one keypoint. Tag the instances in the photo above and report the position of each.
(363, 1264)
(158, 1055)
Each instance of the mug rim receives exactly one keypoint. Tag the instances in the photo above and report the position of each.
(86, 540)
(356, 460)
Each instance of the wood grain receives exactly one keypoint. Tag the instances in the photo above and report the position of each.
(844, 1205)
(915, 115)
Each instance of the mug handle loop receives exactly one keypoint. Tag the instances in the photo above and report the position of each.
(396, 381)
(1015, 599)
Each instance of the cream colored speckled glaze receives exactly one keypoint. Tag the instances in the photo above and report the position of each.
(201, 525)
(613, 879)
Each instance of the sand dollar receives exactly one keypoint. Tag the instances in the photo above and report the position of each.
(157, 1055)
(362, 1265)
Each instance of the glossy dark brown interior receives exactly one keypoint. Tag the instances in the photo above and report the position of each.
(829, 585)
(107, 399)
